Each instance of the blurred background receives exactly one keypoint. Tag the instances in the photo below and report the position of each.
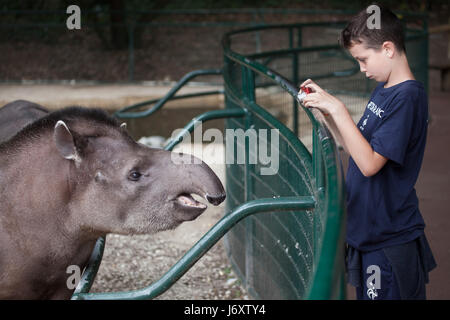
(155, 40)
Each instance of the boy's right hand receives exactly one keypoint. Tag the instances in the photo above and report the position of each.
(306, 82)
(312, 85)
(321, 99)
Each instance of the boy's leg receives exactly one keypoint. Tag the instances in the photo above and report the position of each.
(360, 293)
(409, 270)
(377, 278)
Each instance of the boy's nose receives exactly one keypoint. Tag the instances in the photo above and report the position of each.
(361, 68)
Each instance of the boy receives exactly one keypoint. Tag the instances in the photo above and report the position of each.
(388, 256)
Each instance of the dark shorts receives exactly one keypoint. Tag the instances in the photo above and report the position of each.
(393, 273)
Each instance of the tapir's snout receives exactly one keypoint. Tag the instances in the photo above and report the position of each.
(216, 199)
(186, 176)
(191, 208)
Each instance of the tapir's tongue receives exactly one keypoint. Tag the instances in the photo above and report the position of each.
(188, 201)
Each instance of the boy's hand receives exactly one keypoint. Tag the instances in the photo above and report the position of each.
(321, 99)
(368, 161)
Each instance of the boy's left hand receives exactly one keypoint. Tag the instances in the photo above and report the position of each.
(321, 99)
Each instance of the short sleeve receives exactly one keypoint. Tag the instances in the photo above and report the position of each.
(391, 137)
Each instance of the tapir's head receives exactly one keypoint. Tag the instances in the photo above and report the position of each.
(118, 185)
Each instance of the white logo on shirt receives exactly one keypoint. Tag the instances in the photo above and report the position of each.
(371, 291)
(364, 123)
(375, 109)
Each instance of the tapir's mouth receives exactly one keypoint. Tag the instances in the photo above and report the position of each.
(192, 208)
(187, 201)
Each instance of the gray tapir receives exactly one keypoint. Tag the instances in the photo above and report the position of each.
(74, 175)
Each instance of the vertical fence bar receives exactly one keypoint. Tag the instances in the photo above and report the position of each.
(248, 86)
(257, 35)
(295, 81)
(315, 164)
(318, 166)
(294, 100)
(300, 37)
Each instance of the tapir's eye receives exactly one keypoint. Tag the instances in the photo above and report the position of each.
(134, 175)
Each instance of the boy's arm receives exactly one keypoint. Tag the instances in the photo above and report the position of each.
(368, 161)
(331, 125)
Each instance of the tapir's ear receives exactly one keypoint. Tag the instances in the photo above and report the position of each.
(64, 141)
(123, 126)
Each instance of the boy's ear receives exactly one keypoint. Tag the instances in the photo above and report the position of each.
(388, 48)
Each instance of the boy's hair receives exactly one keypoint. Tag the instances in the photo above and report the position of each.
(357, 31)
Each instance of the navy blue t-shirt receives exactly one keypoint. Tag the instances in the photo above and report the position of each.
(383, 209)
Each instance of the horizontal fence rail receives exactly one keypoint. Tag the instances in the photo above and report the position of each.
(203, 245)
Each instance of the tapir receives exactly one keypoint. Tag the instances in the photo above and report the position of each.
(70, 176)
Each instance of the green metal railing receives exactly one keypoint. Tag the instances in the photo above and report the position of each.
(256, 206)
(159, 103)
(273, 273)
(202, 246)
(284, 233)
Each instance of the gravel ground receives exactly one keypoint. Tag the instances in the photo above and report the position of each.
(133, 262)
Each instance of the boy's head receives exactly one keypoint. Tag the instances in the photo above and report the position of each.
(375, 46)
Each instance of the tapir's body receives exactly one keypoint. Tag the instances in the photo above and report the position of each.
(74, 175)
(16, 115)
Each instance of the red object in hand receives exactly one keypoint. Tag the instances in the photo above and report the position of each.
(306, 89)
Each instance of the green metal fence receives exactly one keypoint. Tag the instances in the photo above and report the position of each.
(304, 202)
(296, 255)
(284, 232)
(289, 256)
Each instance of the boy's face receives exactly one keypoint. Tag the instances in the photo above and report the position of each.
(374, 63)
